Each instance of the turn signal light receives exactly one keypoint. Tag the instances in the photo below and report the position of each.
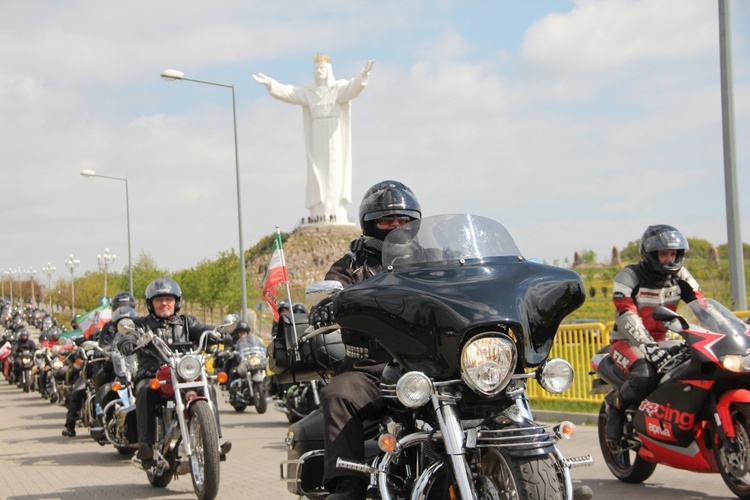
(387, 443)
(154, 383)
(221, 377)
(116, 386)
(566, 429)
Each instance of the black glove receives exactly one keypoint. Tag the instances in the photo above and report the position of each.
(654, 354)
(127, 346)
(322, 314)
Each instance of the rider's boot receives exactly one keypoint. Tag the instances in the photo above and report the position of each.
(349, 488)
(615, 417)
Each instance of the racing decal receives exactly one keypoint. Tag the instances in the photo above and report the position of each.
(659, 429)
(667, 414)
(706, 345)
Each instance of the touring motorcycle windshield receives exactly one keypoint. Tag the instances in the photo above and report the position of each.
(449, 276)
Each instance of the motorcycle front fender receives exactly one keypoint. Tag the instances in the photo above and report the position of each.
(724, 411)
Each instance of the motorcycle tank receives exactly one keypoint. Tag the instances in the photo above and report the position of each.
(446, 277)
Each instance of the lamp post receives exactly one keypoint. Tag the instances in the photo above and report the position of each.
(31, 272)
(172, 75)
(49, 270)
(2, 276)
(104, 260)
(71, 264)
(9, 273)
(91, 173)
(17, 273)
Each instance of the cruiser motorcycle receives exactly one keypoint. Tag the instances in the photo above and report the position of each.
(187, 436)
(118, 418)
(698, 417)
(468, 321)
(249, 372)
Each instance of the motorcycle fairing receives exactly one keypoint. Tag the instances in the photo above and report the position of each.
(723, 408)
(420, 314)
(692, 457)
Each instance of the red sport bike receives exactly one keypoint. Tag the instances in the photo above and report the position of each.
(698, 417)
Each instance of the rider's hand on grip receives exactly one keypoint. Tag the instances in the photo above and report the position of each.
(127, 346)
(322, 314)
(654, 354)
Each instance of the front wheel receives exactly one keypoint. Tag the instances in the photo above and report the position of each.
(734, 465)
(522, 477)
(204, 462)
(626, 465)
(260, 400)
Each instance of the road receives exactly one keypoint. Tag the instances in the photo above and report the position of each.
(36, 462)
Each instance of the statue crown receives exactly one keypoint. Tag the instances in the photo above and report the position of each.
(322, 58)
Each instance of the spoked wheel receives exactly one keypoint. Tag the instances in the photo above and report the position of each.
(204, 462)
(624, 464)
(734, 464)
(517, 478)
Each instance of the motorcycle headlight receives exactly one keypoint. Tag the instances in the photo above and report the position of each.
(57, 364)
(189, 367)
(414, 389)
(487, 363)
(555, 376)
(254, 361)
(736, 363)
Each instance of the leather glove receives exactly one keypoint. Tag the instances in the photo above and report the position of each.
(322, 314)
(215, 337)
(127, 346)
(654, 354)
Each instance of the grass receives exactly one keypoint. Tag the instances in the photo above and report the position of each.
(566, 406)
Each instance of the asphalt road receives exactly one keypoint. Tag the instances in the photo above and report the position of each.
(36, 462)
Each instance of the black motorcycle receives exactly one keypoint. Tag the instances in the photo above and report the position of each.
(245, 380)
(468, 322)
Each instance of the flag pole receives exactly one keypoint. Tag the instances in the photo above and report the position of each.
(289, 296)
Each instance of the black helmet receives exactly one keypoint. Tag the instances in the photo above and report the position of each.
(283, 304)
(299, 308)
(123, 299)
(242, 326)
(386, 198)
(663, 237)
(54, 334)
(123, 312)
(23, 334)
(161, 287)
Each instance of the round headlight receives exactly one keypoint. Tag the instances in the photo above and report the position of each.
(414, 389)
(254, 360)
(487, 363)
(189, 368)
(555, 376)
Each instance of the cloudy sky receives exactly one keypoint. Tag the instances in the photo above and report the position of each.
(574, 123)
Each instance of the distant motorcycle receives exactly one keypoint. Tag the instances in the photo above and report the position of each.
(246, 386)
(698, 417)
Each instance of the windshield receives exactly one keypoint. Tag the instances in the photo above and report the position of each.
(447, 237)
(713, 316)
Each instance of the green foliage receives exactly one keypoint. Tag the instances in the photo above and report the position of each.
(588, 257)
(264, 246)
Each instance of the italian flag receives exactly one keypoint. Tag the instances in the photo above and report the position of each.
(275, 275)
(93, 320)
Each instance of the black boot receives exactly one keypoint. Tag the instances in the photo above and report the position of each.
(349, 488)
(69, 432)
(615, 417)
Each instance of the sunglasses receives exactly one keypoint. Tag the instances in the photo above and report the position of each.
(391, 219)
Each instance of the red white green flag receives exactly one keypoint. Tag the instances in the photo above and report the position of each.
(93, 320)
(275, 275)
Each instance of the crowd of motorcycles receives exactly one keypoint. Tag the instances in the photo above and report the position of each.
(458, 421)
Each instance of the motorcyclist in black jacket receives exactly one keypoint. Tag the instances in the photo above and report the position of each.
(163, 300)
(23, 343)
(353, 395)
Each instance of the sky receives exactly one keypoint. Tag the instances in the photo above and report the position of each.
(576, 124)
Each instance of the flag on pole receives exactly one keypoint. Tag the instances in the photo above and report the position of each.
(275, 275)
(93, 320)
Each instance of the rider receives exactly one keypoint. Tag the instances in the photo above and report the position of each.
(353, 395)
(282, 307)
(242, 330)
(163, 300)
(659, 279)
(24, 343)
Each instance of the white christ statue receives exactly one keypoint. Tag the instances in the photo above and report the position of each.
(326, 113)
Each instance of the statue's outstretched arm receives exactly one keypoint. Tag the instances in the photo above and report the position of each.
(262, 79)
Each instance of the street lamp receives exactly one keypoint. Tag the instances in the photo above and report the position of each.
(71, 264)
(17, 273)
(31, 272)
(104, 260)
(91, 173)
(172, 75)
(49, 270)
(9, 273)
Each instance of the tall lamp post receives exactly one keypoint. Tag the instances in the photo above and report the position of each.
(71, 264)
(91, 173)
(104, 260)
(17, 273)
(2, 276)
(49, 270)
(31, 272)
(172, 75)
(9, 273)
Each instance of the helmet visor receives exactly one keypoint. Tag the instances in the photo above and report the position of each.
(665, 240)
